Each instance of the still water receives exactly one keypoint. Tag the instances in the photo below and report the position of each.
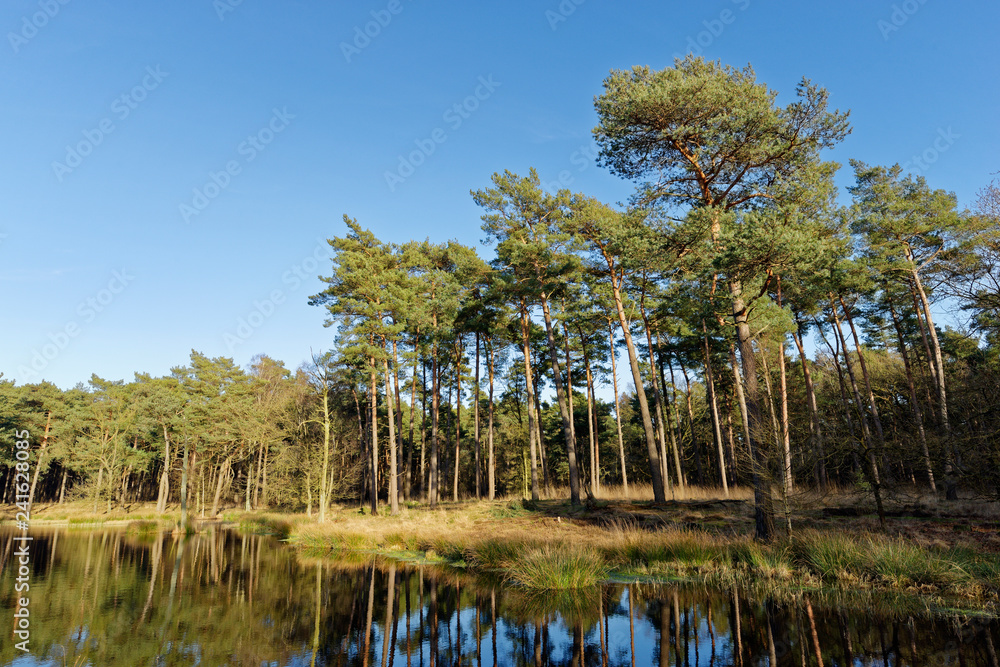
(106, 598)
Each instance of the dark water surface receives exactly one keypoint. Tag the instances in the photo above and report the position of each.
(106, 598)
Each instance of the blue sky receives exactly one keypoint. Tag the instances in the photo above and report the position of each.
(169, 170)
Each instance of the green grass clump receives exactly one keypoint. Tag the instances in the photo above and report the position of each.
(263, 525)
(510, 510)
(495, 554)
(143, 528)
(557, 568)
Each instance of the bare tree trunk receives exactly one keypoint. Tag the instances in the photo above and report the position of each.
(161, 499)
(699, 466)
(874, 478)
(714, 409)
(657, 405)
(393, 480)
(918, 416)
(937, 367)
(670, 401)
(938, 361)
(569, 393)
(530, 391)
(876, 418)
(786, 442)
(220, 483)
(399, 484)
(763, 504)
(408, 482)
(655, 469)
(567, 418)
(475, 418)
(373, 436)
(618, 409)
(40, 457)
(62, 486)
(489, 438)
(432, 481)
(815, 430)
(542, 454)
(324, 492)
(595, 484)
(458, 413)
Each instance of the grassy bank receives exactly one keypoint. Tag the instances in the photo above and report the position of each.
(548, 550)
(944, 554)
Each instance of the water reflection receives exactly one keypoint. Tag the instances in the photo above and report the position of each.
(106, 598)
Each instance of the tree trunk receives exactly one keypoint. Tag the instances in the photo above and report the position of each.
(458, 413)
(432, 481)
(714, 406)
(220, 483)
(62, 486)
(918, 416)
(373, 436)
(184, 487)
(876, 418)
(542, 454)
(530, 391)
(40, 457)
(618, 409)
(937, 365)
(786, 442)
(398, 436)
(763, 504)
(655, 469)
(475, 418)
(675, 427)
(690, 410)
(873, 477)
(323, 491)
(815, 430)
(393, 479)
(164, 492)
(408, 482)
(595, 484)
(938, 361)
(567, 418)
(489, 438)
(658, 406)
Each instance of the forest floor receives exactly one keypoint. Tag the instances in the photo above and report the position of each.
(943, 554)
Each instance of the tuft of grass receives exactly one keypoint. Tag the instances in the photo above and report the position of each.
(495, 554)
(557, 568)
(264, 525)
(143, 528)
(512, 509)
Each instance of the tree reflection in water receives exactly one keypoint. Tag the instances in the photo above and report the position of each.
(106, 598)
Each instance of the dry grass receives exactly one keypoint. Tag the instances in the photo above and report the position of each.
(540, 551)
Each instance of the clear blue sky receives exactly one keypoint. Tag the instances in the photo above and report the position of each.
(114, 113)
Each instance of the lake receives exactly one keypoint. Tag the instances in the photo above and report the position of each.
(104, 597)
